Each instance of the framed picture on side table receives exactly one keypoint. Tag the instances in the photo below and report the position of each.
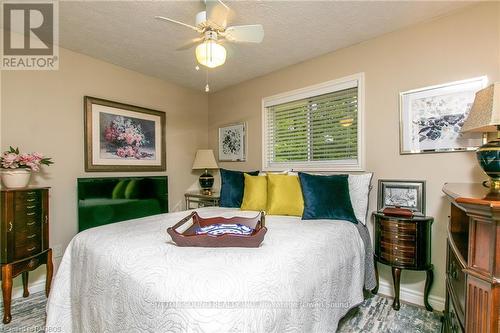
(122, 137)
(431, 118)
(407, 194)
(232, 142)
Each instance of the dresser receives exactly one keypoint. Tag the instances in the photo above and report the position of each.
(404, 243)
(472, 260)
(24, 239)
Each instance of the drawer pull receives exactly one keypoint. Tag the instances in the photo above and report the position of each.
(31, 207)
(31, 236)
(31, 223)
(30, 193)
(46, 218)
(10, 226)
(30, 200)
(30, 213)
(31, 248)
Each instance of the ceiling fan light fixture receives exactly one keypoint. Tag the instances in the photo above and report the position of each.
(210, 54)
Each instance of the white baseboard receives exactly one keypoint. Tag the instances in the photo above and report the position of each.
(34, 287)
(411, 296)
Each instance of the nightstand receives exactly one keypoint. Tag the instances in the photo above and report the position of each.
(201, 200)
(404, 243)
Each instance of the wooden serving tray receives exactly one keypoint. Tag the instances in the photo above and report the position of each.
(190, 238)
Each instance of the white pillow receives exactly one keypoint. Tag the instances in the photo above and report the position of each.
(359, 189)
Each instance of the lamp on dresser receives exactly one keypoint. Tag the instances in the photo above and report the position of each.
(205, 160)
(24, 239)
(484, 116)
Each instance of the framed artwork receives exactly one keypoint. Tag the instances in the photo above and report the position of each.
(122, 137)
(407, 194)
(431, 118)
(232, 142)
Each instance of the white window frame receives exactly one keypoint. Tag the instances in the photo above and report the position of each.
(310, 91)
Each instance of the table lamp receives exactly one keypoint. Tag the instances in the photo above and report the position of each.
(484, 116)
(205, 160)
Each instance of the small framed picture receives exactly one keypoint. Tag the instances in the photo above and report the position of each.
(122, 137)
(431, 118)
(407, 194)
(232, 142)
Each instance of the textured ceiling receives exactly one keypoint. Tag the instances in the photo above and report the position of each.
(125, 33)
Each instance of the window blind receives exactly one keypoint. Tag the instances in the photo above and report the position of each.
(320, 129)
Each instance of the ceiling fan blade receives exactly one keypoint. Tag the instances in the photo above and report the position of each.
(193, 42)
(253, 33)
(177, 22)
(217, 13)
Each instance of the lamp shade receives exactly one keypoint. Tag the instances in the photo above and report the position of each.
(484, 115)
(210, 54)
(204, 160)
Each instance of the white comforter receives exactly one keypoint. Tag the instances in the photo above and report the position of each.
(130, 277)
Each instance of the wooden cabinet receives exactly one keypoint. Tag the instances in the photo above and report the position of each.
(404, 243)
(24, 239)
(473, 260)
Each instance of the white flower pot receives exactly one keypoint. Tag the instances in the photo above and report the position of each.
(16, 178)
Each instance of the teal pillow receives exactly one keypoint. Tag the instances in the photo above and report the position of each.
(119, 190)
(326, 197)
(132, 191)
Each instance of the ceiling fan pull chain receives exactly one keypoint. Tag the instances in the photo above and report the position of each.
(207, 87)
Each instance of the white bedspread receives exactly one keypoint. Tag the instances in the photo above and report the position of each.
(130, 277)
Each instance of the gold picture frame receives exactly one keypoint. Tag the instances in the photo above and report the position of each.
(123, 138)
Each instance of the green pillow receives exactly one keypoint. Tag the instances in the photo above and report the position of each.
(119, 190)
(132, 191)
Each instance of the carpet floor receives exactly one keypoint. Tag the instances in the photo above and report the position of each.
(374, 315)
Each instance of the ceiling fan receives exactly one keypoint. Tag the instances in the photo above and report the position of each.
(211, 25)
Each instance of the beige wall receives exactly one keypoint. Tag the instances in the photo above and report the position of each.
(462, 45)
(43, 111)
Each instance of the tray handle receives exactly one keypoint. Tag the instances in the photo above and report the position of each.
(181, 222)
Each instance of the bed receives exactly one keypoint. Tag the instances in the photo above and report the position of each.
(130, 277)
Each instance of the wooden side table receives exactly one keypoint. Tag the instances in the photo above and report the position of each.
(404, 243)
(201, 200)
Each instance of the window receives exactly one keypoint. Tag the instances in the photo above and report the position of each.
(315, 128)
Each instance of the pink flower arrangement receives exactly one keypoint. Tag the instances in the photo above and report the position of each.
(12, 159)
(124, 138)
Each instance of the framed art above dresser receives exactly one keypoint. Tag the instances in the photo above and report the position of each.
(473, 260)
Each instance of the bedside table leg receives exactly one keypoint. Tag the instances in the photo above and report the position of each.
(427, 288)
(375, 290)
(6, 292)
(26, 292)
(396, 275)
(50, 270)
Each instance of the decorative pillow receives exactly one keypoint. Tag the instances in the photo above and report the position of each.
(255, 194)
(284, 195)
(119, 190)
(232, 185)
(359, 189)
(326, 197)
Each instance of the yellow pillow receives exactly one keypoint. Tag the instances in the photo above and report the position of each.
(255, 193)
(284, 195)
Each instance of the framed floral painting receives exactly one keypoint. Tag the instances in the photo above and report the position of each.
(431, 118)
(122, 137)
(232, 143)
